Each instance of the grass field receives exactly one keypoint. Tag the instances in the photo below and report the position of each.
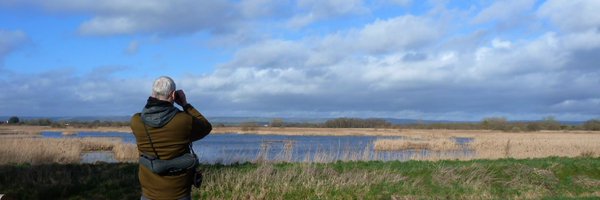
(542, 178)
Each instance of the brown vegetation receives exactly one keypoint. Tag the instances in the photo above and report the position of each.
(503, 145)
(439, 144)
(38, 151)
(34, 130)
(528, 145)
(486, 144)
(68, 150)
(356, 123)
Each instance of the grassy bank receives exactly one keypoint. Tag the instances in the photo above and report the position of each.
(550, 178)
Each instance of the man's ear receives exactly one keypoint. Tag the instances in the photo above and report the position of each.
(172, 95)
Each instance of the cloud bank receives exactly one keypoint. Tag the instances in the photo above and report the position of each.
(423, 66)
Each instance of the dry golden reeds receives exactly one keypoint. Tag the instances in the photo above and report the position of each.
(63, 150)
(535, 145)
(440, 144)
(125, 152)
(493, 145)
(38, 151)
(229, 183)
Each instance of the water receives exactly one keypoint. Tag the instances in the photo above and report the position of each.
(98, 156)
(232, 148)
(125, 137)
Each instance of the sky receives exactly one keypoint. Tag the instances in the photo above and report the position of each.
(430, 60)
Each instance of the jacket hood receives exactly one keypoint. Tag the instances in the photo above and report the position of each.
(157, 113)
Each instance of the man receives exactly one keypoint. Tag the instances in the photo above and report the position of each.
(169, 133)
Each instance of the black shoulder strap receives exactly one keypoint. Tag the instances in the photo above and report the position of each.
(150, 139)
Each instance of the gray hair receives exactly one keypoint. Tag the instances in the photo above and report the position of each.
(163, 87)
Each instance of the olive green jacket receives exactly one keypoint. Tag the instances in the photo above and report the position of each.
(170, 141)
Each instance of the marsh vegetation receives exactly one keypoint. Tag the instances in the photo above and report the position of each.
(503, 165)
(540, 178)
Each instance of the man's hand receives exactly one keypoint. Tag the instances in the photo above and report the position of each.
(180, 98)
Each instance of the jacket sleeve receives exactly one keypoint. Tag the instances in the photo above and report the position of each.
(200, 126)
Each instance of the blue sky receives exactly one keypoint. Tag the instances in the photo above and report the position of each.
(444, 60)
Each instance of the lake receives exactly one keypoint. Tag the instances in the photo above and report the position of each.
(231, 148)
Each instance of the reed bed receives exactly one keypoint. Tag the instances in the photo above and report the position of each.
(501, 145)
(439, 144)
(63, 150)
(125, 152)
(38, 151)
(523, 145)
(269, 181)
(541, 178)
(417, 145)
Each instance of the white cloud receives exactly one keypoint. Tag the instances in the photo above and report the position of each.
(388, 69)
(504, 10)
(573, 15)
(581, 106)
(177, 17)
(399, 33)
(115, 17)
(401, 2)
(62, 92)
(406, 66)
(314, 10)
(10, 41)
(263, 8)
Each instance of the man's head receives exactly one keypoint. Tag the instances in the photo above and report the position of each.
(164, 89)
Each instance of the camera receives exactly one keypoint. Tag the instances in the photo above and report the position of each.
(197, 182)
(177, 95)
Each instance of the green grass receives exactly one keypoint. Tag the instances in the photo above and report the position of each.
(545, 178)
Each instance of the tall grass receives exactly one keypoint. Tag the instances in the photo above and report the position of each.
(63, 150)
(535, 145)
(502, 145)
(38, 151)
(439, 144)
(478, 179)
(554, 177)
(419, 145)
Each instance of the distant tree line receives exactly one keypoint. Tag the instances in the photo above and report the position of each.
(490, 123)
(502, 124)
(67, 123)
(357, 123)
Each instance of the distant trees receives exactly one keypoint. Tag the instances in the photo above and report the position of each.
(249, 126)
(592, 125)
(495, 123)
(13, 120)
(277, 122)
(357, 123)
(549, 123)
(489, 123)
(39, 122)
(75, 123)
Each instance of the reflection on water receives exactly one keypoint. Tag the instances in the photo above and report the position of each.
(126, 137)
(98, 156)
(232, 148)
